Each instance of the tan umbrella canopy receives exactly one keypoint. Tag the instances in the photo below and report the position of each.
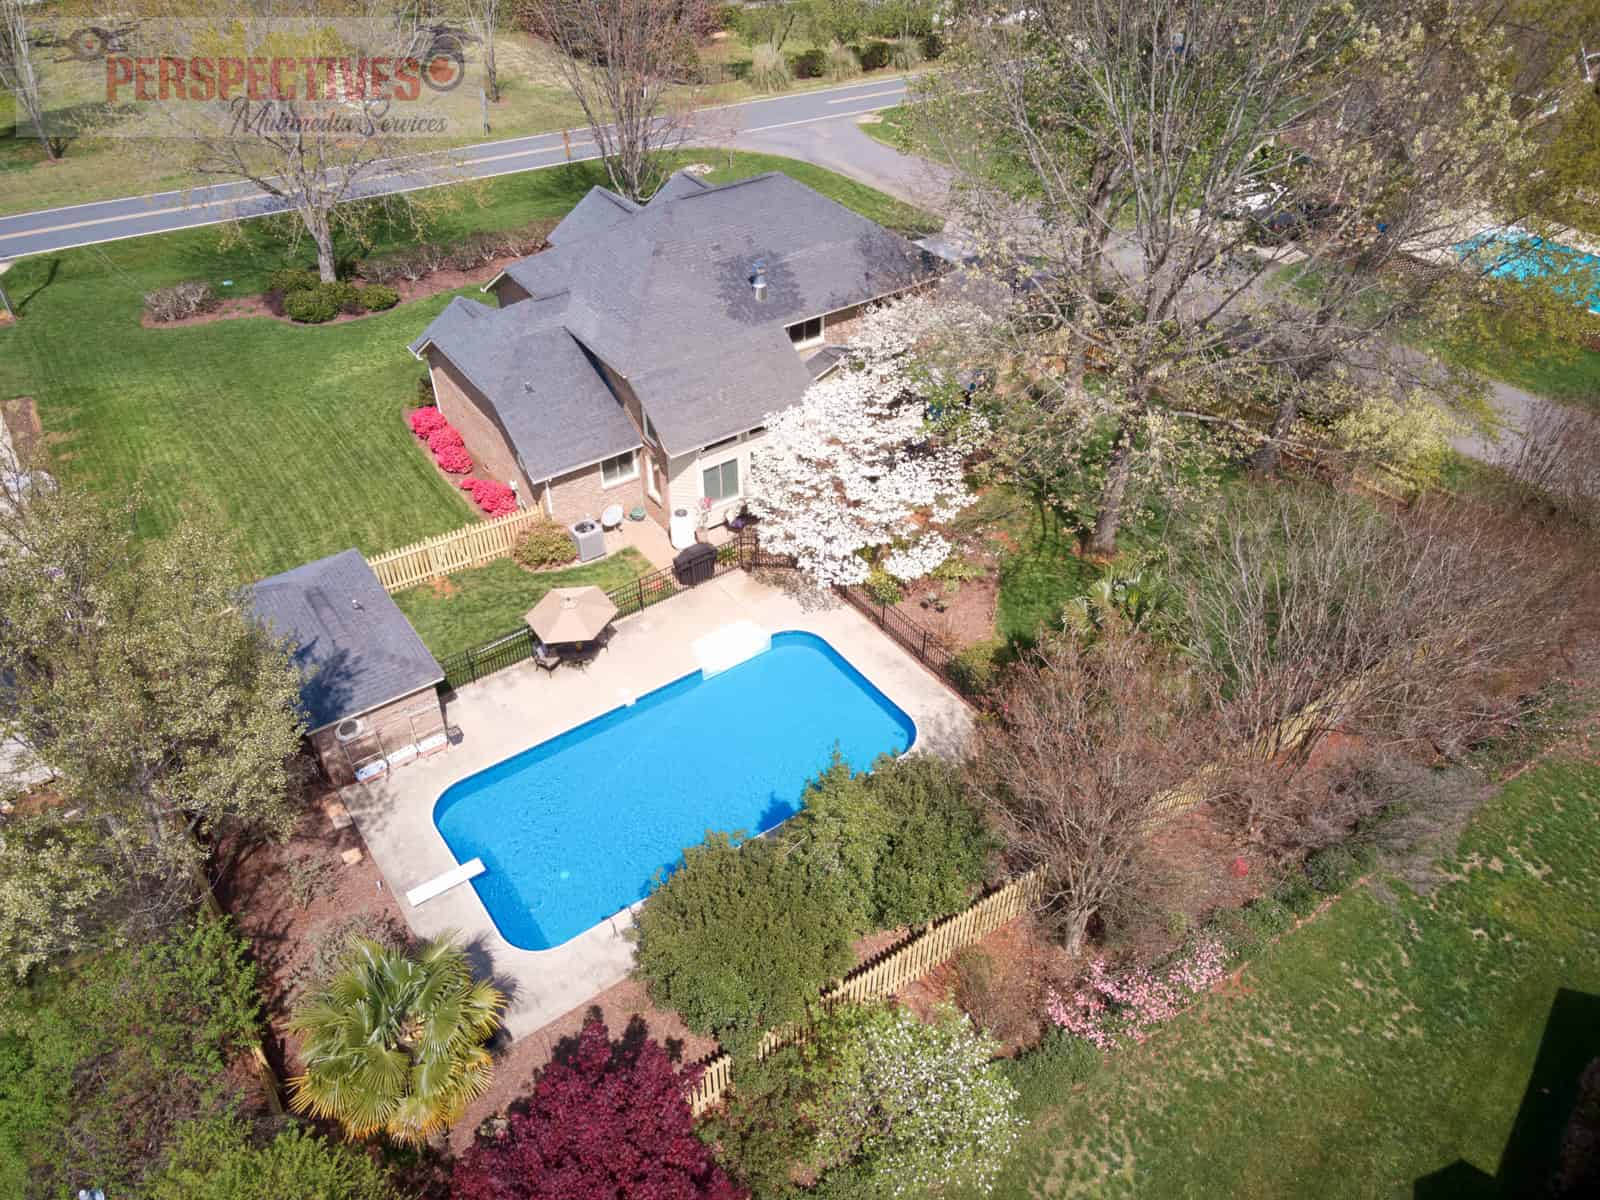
(575, 614)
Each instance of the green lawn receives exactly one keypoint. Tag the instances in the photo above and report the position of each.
(290, 437)
(473, 607)
(1396, 1046)
(1566, 372)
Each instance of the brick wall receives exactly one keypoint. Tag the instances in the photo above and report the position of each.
(581, 494)
(388, 727)
(467, 409)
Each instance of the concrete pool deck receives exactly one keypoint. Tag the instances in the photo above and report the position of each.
(523, 706)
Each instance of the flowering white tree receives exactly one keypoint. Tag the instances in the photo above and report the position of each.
(851, 478)
(910, 1108)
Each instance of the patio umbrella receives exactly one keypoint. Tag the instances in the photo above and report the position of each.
(575, 614)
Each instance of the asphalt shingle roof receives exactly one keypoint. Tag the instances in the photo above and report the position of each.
(354, 647)
(663, 295)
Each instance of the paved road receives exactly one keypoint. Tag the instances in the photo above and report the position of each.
(162, 212)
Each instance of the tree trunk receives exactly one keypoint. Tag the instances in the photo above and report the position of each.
(1108, 519)
(321, 232)
(1265, 460)
(1075, 930)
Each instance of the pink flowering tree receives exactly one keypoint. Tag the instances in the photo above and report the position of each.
(1109, 1008)
(852, 478)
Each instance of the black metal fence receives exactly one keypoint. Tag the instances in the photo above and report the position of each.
(742, 552)
(518, 645)
(930, 650)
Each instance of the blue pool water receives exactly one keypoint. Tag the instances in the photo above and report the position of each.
(575, 829)
(1515, 255)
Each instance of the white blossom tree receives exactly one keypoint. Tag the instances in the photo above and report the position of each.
(852, 478)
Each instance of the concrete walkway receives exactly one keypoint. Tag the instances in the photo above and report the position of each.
(521, 707)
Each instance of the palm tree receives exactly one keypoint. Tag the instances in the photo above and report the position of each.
(395, 1041)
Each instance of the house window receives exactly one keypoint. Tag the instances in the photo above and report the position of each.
(806, 333)
(619, 469)
(721, 482)
(649, 429)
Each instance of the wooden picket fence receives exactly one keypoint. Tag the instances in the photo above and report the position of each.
(471, 546)
(886, 974)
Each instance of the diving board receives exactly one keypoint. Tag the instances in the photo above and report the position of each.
(730, 646)
(439, 884)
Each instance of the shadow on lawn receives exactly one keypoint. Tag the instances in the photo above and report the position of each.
(1541, 1159)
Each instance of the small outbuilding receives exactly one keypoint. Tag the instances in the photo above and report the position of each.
(369, 686)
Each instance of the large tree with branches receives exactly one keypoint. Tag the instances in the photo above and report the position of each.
(1214, 211)
(627, 62)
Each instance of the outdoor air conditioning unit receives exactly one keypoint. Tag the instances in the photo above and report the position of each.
(349, 729)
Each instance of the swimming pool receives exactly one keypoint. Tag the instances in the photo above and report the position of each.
(574, 830)
(1513, 254)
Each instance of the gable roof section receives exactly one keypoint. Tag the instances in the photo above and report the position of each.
(549, 396)
(597, 212)
(353, 646)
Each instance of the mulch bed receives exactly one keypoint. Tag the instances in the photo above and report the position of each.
(254, 888)
(270, 304)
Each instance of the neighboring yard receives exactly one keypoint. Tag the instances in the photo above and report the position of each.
(291, 437)
(469, 608)
(1398, 1045)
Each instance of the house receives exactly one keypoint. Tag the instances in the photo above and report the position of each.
(369, 687)
(634, 361)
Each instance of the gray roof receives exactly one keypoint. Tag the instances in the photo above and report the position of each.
(550, 400)
(663, 295)
(354, 647)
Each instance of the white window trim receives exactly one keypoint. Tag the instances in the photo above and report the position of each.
(648, 428)
(633, 460)
(717, 466)
(651, 487)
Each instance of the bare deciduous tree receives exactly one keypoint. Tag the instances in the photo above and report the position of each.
(1313, 613)
(1087, 742)
(352, 101)
(1556, 456)
(19, 75)
(623, 60)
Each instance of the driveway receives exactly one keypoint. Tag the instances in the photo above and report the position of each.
(841, 146)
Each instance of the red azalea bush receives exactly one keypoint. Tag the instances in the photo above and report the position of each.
(607, 1120)
(452, 458)
(496, 499)
(425, 422)
(444, 436)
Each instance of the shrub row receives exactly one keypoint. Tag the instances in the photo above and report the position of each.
(187, 299)
(843, 62)
(446, 445)
(318, 302)
(468, 254)
(745, 933)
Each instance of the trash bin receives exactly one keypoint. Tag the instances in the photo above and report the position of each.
(695, 565)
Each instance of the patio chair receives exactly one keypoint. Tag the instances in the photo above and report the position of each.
(546, 658)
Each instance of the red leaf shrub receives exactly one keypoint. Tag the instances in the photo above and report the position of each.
(425, 422)
(607, 1121)
(496, 499)
(452, 458)
(444, 436)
